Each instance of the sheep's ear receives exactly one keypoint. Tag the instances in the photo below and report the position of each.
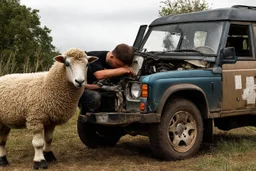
(92, 59)
(59, 58)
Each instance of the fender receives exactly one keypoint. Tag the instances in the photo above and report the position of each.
(180, 87)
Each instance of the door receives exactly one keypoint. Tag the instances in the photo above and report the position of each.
(239, 78)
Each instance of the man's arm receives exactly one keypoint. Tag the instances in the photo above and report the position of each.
(92, 86)
(109, 73)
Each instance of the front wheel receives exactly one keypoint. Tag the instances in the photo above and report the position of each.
(94, 136)
(179, 134)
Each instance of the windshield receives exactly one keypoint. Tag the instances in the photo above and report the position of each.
(204, 37)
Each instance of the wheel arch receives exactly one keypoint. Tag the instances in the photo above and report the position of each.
(187, 91)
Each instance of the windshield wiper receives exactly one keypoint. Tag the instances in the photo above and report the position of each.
(188, 50)
(177, 50)
(146, 54)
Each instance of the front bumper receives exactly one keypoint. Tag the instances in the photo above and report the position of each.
(105, 118)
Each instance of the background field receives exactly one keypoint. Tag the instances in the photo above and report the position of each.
(233, 151)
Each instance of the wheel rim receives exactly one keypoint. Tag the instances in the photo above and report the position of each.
(182, 131)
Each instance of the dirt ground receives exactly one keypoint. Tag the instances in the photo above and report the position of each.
(233, 150)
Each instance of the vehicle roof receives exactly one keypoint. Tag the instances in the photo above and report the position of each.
(234, 13)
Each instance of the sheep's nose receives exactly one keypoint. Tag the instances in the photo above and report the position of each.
(80, 82)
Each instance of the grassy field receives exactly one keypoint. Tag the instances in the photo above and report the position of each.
(232, 151)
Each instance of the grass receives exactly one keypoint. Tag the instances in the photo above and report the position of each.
(232, 151)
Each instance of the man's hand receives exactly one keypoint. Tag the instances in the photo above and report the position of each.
(92, 86)
(107, 85)
(129, 70)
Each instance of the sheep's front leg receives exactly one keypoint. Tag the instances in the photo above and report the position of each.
(48, 136)
(4, 131)
(38, 143)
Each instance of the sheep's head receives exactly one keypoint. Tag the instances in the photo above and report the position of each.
(76, 63)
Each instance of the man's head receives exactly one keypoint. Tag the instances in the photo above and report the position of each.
(121, 56)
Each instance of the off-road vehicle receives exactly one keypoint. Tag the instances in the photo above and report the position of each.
(194, 71)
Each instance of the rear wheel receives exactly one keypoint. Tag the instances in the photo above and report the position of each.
(94, 136)
(179, 134)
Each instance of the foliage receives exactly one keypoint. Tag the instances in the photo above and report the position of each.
(23, 40)
(182, 6)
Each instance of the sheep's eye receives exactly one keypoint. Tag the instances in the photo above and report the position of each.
(67, 64)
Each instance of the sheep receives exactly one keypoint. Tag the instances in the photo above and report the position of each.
(40, 101)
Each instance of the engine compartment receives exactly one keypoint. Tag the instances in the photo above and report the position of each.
(152, 66)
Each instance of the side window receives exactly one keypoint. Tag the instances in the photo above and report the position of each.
(239, 37)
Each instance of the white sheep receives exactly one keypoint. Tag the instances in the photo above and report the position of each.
(40, 101)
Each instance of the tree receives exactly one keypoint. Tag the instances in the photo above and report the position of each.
(22, 36)
(182, 6)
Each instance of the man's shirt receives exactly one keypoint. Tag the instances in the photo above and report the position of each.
(98, 65)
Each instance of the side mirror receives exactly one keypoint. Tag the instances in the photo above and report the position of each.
(228, 55)
(140, 36)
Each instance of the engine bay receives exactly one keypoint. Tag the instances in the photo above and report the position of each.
(152, 66)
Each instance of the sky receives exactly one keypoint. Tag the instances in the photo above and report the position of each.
(101, 24)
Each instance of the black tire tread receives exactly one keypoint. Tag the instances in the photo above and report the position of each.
(88, 135)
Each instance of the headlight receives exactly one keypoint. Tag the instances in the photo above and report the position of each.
(136, 90)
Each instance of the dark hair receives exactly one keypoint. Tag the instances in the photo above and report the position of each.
(124, 53)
